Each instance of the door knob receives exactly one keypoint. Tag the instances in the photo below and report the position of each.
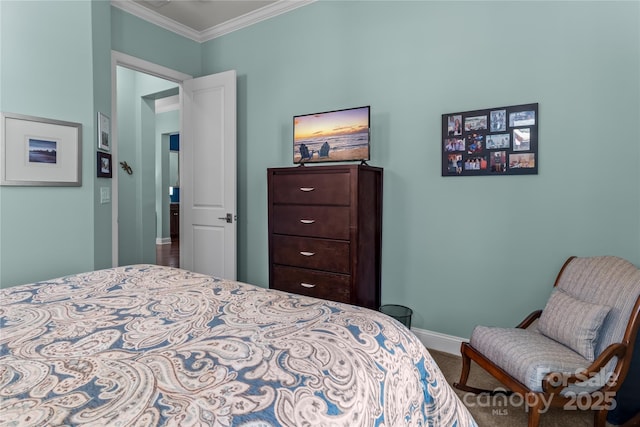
(228, 218)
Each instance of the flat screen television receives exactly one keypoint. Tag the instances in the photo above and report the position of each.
(332, 136)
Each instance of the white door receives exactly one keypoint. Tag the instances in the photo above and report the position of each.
(208, 175)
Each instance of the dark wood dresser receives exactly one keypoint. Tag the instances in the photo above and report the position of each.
(325, 232)
(174, 221)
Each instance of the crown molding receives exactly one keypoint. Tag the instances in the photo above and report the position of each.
(258, 15)
(270, 11)
(155, 18)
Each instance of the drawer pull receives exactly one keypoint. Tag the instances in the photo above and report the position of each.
(306, 189)
(307, 253)
(307, 221)
(307, 285)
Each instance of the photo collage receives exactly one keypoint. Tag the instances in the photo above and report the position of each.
(495, 141)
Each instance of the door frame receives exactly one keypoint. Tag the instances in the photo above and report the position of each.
(140, 65)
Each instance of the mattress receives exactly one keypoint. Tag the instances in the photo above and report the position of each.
(146, 345)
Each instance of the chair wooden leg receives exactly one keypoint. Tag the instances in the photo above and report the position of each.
(534, 406)
(534, 417)
(464, 374)
(600, 418)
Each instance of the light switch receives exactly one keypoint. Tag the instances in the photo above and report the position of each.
(105, 195)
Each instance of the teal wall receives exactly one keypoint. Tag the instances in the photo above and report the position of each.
(459, 251)
(101, 28)
(59, 67)
(47, 60)
(464, 250)
(127, 132)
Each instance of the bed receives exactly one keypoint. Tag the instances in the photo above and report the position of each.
(146, 345)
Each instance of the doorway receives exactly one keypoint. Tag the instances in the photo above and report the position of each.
(146, 125)
(146, 111)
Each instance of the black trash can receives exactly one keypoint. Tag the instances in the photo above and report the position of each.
(399, 312)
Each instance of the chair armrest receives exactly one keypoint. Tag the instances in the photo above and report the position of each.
(529, 320)
(555, 382)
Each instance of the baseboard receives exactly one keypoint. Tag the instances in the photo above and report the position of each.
(163, 240)
(437, 341)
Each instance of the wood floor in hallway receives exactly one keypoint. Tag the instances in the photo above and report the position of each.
(168, 255)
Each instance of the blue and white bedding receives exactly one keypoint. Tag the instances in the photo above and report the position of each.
(146, 345)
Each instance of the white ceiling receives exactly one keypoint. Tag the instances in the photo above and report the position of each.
(203, 20)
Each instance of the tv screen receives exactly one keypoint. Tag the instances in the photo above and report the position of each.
(332, 136)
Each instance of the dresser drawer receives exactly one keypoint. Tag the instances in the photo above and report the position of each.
(312, 188)
(317, 284)
(331, 222)
(307, 252)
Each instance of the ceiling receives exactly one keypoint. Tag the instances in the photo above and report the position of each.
(203, 20)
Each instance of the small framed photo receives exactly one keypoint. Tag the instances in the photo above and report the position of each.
(104, 165)
(454, 128)
(454, 144)
(104, 132)
(526, 161)
(522, 118)
(498, 140)
(522, 139)
(498, 121)
(475, 123)
(36, 151)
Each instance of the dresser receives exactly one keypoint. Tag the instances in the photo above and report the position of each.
(325, 232)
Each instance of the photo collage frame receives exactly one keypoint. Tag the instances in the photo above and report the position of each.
(494, 141)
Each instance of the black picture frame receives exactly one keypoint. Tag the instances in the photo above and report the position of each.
(491, 141)
(104, 166)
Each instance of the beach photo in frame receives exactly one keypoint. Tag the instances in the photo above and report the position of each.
(104, 165)
(104, 132)
(491, 141)
(36, 151)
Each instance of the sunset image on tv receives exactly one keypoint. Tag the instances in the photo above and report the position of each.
(332, 136)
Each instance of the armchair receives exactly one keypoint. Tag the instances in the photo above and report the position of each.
(578, 352)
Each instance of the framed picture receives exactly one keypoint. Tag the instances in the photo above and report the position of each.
(493, 141)
(35, 151)
(104, 132)
(104, 165)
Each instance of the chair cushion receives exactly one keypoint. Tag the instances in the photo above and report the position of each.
(606, 280)
(526, 355)
(573, 322)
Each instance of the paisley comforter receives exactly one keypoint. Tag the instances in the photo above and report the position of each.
(146, 345)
